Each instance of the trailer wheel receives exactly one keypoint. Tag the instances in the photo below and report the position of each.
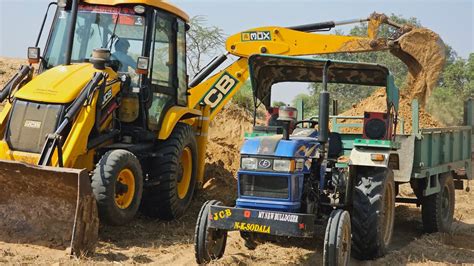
(373, 212)
(337, 240)
(437, 210)
(117, 185)
(175, 168)
(209, 243)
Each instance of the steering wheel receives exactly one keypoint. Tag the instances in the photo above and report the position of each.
(312, 123)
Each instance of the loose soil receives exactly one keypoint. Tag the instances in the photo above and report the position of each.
(423, 52)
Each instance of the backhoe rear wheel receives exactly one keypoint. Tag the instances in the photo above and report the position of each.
(117, 184)
(373, 212)
(175, 168)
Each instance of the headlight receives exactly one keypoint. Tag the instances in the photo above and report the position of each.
(249, 163)
(283, 165)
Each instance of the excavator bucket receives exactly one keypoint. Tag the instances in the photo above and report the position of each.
(47, 206)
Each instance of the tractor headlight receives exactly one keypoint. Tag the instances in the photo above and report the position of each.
(283, 165)
(249, 163)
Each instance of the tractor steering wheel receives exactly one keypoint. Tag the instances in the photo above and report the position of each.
(312, 123)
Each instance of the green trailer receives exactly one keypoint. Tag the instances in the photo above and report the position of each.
(434, 161)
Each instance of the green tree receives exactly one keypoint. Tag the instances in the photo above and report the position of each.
(244, 97)
(203, 43)
(278, 104)
(309, 104)
(455, 86)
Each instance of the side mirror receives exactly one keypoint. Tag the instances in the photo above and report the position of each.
(33, 55)
(143, 64)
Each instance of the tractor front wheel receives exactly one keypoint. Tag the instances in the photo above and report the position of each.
(337, 240)
(209, 243)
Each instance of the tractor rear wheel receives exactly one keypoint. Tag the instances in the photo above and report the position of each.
(117, 184)
(373, 212)
(337, 240)
(175, 168)
(437, 210)
(209, 243)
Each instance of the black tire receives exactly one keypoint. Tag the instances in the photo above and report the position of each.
(437, 210)
(209, 244)
(117, 205)
(164, 201)
(337, 240)
(373, 212)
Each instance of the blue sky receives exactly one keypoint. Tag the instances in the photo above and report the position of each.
(453, 20)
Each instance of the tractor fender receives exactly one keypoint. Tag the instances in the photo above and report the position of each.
(173, 116)
(363, 157)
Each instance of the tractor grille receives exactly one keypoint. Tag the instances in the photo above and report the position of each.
(264, 186)
(29, 125)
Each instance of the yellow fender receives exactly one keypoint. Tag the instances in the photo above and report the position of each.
(173, 116)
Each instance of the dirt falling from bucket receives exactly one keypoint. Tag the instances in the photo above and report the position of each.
(429, 52)
(424, 54)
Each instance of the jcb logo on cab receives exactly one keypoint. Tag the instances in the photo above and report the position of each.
(220, 90)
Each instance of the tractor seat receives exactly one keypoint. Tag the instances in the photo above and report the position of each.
(335, 145)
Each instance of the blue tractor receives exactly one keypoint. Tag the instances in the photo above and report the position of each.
(296, 174)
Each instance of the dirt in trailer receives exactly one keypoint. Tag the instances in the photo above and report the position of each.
(148, 241)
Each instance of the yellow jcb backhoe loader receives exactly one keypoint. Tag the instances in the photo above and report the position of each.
(110, 125)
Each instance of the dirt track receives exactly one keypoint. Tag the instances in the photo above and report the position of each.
(157, 242)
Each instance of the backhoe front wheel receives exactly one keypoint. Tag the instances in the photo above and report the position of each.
(175, 168)
(117, 185)
(373, 212)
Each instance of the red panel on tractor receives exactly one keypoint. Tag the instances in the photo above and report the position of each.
(377, 126)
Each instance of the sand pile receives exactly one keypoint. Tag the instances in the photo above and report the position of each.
(8, 68)
(377, 103)
(226, 135)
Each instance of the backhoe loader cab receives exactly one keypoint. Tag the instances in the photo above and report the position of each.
(90, 124)
(155, 33)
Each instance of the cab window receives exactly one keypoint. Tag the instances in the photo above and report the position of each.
(182, 73)
(95, 28)
(163, 69)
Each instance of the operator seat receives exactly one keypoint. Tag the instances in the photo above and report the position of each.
(335, 145)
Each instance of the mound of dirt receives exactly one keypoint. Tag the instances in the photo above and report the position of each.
(226, 135)
(377, 103)
(8, 68)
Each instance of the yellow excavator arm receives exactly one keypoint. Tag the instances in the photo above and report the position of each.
(217, 90)
(211, 94)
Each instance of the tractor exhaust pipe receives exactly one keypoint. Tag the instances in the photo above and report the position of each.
(324, 107)
(71, 30)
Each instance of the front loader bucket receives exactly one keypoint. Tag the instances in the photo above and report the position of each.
(47, 206)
